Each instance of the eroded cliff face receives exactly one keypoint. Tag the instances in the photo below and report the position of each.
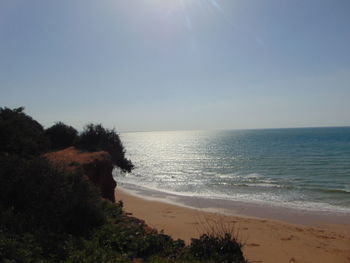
(97, 166)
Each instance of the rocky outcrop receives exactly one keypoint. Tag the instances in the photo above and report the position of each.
(97, 166)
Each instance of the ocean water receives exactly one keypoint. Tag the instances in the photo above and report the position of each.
(306, 168)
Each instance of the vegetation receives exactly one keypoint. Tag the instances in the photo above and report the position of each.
(217, 248)
(53, 215)
(61, 135)
(45, 205)
(97, 138)
(20, 134)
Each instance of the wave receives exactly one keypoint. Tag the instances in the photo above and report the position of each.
(329, 190)
(253, 176)
(254, 188)
(258, 199)
(256, 184)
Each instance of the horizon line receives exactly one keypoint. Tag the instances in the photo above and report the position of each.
(238, 129)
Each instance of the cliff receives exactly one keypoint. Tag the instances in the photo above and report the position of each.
(97, 166)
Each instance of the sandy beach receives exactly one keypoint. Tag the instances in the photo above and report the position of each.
(265, 240)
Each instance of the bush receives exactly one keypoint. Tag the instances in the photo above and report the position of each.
(20, 248)
(48, 198)
(91, 251)
(46, 203)
(97, 138)
(220, 249)
(61, 135)
(127, 240)
(20, 134)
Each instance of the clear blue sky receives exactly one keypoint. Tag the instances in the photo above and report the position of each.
(177, 64)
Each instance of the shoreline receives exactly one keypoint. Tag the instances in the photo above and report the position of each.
(265, 239)
(241, 208)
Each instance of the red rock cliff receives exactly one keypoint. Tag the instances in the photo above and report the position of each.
(97, 166)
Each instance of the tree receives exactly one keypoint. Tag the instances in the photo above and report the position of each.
(97, 138)
(20, 134)
(61, 135)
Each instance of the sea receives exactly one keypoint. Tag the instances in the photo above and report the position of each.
(300, 168)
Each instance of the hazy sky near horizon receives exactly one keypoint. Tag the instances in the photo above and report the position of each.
(141, 65)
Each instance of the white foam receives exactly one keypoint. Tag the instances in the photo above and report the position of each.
(259, 199)
(253, 176)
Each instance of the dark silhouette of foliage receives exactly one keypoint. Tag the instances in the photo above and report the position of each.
(61, 135)
(48, 214)
(51, 199)
(20, 134)
(46, 203)
(217, 248)
(20, 248)
(97, 138)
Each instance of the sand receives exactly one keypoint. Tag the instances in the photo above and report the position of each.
(265, 240)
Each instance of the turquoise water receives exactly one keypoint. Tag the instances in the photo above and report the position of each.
(305, 168)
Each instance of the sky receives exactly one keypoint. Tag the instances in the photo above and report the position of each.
(145, 65)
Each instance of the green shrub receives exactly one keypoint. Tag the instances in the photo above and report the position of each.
(220, 249)
(161, 244)
(97, 138)
(20, 248)
(61, 135)
(127, 240)
(49, 204)
(91, 251)
(49, 198)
